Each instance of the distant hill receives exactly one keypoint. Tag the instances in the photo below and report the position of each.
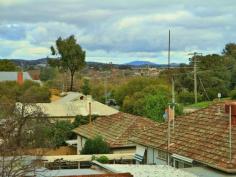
(140, 63)
(137, 64)
(25, 63)
(134, 64)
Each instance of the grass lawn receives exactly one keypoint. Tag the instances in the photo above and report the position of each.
(200, 105)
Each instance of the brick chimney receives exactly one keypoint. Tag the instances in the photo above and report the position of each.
(20, 78)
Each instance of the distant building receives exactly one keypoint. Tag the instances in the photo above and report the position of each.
(71, 104)
(19, 76)
(14, 76)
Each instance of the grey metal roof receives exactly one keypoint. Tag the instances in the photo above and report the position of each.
(12, 76)
(64, 172)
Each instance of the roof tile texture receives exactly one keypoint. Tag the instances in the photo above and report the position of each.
(202, 135)
(115, 129)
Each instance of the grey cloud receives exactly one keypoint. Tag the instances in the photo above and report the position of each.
(204, 25)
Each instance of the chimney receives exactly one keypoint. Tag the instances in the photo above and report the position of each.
(20, 79)
(233, 111)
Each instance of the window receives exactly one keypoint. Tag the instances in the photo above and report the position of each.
(181, 164)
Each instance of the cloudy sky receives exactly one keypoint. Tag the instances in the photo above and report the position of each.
(117, 31)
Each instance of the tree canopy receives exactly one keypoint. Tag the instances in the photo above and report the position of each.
(7, 65)
(95, 146)
(71, 56)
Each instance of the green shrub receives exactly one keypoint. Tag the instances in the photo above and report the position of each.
(95, 146)
(103, 159)
(82, 120)
(179, 109)
(233, 94)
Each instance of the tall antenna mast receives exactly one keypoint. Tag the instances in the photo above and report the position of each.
(169, 51)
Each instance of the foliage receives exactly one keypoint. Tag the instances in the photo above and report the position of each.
(230, 50)
(216, 74)
(86, 87)
(134, 85)
(6, 65)
(60, 132)
(103, 159)
(200, 105)
(82, 120)
(179, 109)
(30, 92)
(233, 94)
(37, 95)
(95, 146)
(72, 56)
(19, 131)
(149, 102)
(47, 73)
(97, 91)
(187, 97)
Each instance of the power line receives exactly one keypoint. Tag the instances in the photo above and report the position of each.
(194, 58)
(203, 88)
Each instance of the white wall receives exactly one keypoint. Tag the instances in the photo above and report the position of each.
(152, 157)
(80, 143)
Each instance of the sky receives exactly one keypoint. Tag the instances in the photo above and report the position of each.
(117, 31)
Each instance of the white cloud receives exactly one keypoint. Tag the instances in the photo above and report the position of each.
(118, 30)
(12, 2)
(152, 18)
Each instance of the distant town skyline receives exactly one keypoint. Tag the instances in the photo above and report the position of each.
(117, 31)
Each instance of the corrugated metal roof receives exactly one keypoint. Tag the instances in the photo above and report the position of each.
(64, 172)
(12, 76)
(71, 107)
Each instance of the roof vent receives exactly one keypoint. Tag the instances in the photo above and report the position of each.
(233, 111)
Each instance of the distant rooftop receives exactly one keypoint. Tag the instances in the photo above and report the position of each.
(72, 105)
(12, 76)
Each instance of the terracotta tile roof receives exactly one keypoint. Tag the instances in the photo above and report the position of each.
(116, 129)
(202, 135)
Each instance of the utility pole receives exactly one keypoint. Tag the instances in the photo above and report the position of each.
(105, 87)
(169, 51)
(230, 133)
(168, 137)
(173, 102)
(194, 59)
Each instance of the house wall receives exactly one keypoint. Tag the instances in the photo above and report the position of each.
(155, 156)
(80, 143)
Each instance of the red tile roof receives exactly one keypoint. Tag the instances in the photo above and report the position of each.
(116, 129)
(202, 135)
